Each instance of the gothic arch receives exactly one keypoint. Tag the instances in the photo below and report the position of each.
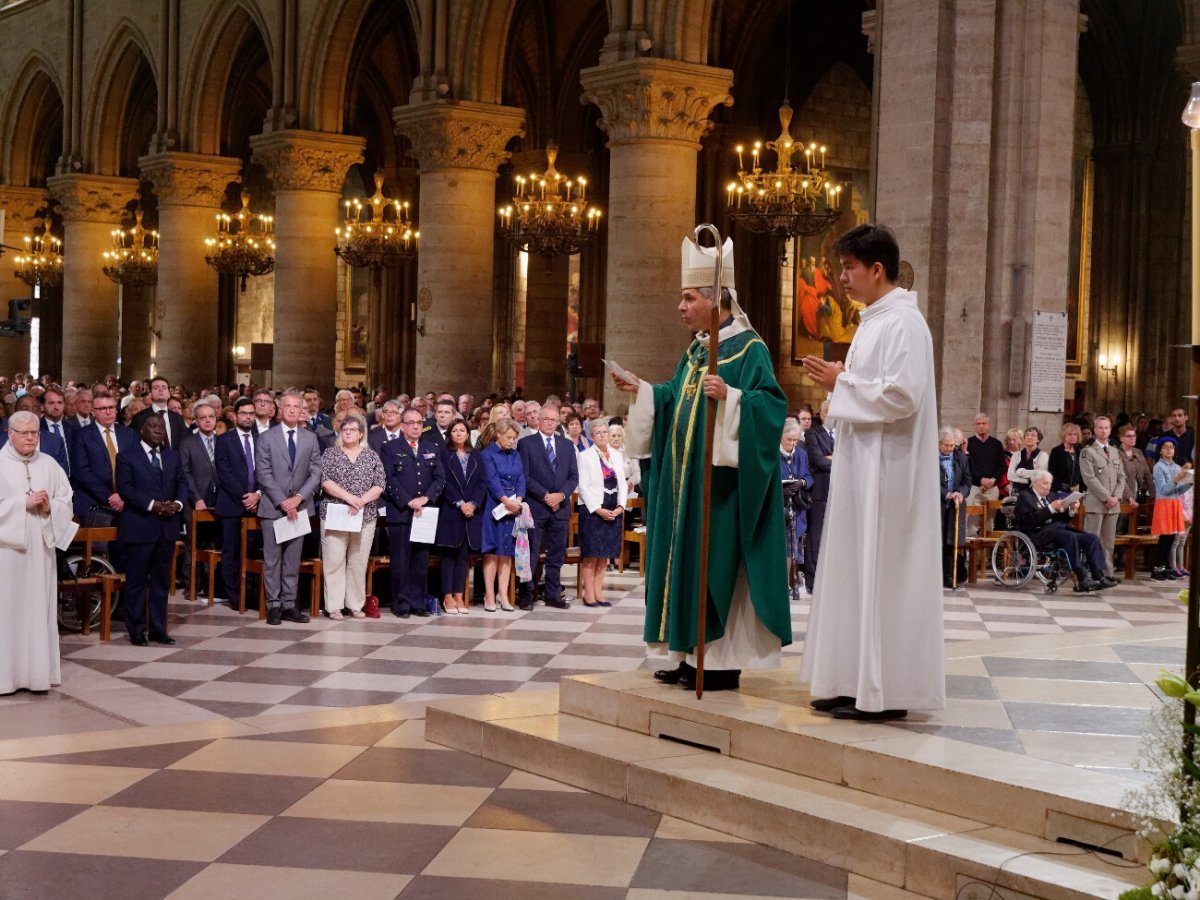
(325, 71)
(229, 25)
(31, 125)
(118, 89)
(478, 50)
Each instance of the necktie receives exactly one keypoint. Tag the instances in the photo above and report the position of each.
(54, 428)
(392, 437)
(249, 462)
(550, 450)
(208, 446)
(162, 414)
(413, 445)
(154, 460)
(112, 455)
(292, 445)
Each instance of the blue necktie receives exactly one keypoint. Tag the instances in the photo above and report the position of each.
(550, 449)
(154, 460)
(249, 463)
(292, 446)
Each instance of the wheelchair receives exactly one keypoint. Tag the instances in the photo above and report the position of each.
(79, 602)
(1016, 561)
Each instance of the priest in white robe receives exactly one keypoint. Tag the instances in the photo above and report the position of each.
(874, 647)
(35, 515)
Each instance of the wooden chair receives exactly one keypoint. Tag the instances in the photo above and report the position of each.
(1134, 539)
(633, 537)
(980, 544)
(88, 538)
(310, 567)
(210, 557)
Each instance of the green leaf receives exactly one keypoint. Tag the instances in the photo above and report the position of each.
(1172, 684)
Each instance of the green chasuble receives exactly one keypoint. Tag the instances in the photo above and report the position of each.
(746, 525)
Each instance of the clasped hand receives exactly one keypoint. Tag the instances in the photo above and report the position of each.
(37, 502)
(823, 372)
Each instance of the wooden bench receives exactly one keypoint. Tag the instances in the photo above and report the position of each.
(310, 567)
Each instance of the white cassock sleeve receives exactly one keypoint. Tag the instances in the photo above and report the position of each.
(639, 425)
(725, 435)
(12, 522)
(894, 395)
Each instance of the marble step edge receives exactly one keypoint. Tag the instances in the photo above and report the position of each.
(1035, 796)
(925, 852)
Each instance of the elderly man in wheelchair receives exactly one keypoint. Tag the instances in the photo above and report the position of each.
(1045, 520)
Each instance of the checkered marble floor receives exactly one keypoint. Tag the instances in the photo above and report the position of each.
(357, 806)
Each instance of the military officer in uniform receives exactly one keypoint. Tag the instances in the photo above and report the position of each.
(1103, 474)
(414, 481)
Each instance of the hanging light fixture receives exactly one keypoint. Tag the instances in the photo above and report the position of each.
(795, 199)
(133, 259)
(550, 214)
(41, 263)
(368, 239)
(244, 245)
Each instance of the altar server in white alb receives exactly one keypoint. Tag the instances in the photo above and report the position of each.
(874, 645)
(35, 514)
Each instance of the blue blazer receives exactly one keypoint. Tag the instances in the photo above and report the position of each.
(410, 476)
(229, 463)
(541, 478)
(92, 475)
(818, 444)
(138, 483)
(453, 526)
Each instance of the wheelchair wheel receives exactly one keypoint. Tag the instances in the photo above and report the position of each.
(1014, 560)
(75, 603)
(1053, 569)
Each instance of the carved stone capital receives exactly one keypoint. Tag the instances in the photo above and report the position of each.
(457, 134)
(92, 198)
(190, 179)
(656, 99)
(20, 205)
(307, 160)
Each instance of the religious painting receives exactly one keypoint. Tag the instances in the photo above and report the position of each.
(824, 319)
(1079, 261)
(358, 319)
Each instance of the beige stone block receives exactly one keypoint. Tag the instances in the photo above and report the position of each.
(235, 882)
(61, 783)
(860, 888)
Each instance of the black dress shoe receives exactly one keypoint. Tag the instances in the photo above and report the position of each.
(560, 603)
(672, 676)
(1107, 581)
(294, 615)
(1086, 586)
(401, 613)
(161, 638)
(862, 715)
(421, 613)
(139, 640)
(274, 615)
(714, 679)
(829, 704)
(525, 605)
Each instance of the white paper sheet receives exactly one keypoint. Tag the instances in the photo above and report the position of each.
(424, 526)
(499, 512)
(623, 374)
(339, 517)
(288, 529)
(68, 535)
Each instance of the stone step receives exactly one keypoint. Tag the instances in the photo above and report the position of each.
(890, 844)
(769, 722)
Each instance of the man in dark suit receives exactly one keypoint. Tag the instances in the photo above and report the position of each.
(287, 463)
(150, 481)
(956, 485)
(818, 444)
(83, 414)
(96, 450)
(312, 410)
(54, 420)
(199, 458)
(390, 430)
(551, 476)
(444, 414)
(414, 480)
(176, 428)
(237, 489)
(1046, 519)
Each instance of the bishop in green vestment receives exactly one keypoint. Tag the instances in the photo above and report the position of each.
(748, 618)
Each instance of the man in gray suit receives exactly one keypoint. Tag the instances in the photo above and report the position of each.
(198, 458)
(287, 463)
(1104, 477)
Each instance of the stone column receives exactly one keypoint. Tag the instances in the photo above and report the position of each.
(654, 111)
(308, 169)
(20, 205)
(190, 188)
(546, 327)
(91, 206)
(459, 146)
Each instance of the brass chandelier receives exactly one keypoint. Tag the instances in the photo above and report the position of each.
(791, 201)
(133, 259)
(549, 214)
(41, 263)
(244, 245)
(370, 240)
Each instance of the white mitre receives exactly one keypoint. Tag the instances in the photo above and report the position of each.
(697, 264)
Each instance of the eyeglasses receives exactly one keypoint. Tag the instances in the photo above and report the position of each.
(21, 431)
(102, 408)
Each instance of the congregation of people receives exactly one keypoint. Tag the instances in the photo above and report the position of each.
(405, 477)
(1142, 463)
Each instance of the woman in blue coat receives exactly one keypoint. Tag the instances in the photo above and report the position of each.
(793, 469)
(505, 475)
(460, 522)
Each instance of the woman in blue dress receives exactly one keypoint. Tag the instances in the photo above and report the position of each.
(506, 487)
(602, 499)
(793, 469)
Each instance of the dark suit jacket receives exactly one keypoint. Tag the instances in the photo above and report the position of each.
(818, 444)
(92, 475)
(64, 431)
(199, 473)
(1039, 522)
(961, 482)
(139, 483)
(179, 430)
(377, 437)
(410, 476)
(319, 420)
(542, 479)
(231, 475)
(453, 527)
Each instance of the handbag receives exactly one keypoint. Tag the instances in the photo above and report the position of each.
(371, 607)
